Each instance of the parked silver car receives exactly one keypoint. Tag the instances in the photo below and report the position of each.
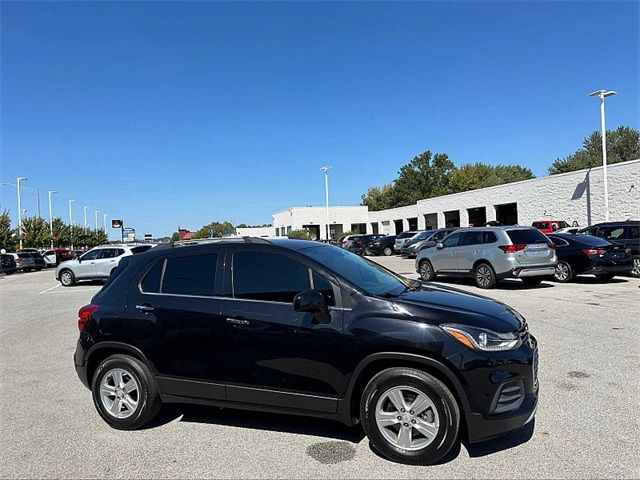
(403, 239)
(425, 239)
(489, 254)
(97, 264)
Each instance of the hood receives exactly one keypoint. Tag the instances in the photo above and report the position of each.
(453, 305)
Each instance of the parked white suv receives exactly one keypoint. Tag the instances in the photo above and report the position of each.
(97, 264)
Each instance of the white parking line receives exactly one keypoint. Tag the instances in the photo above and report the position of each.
(49, 289)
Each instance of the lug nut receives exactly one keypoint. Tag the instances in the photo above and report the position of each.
(406, 424)
(399, 417)
(411, 412)
(413, 421)
(402, 410)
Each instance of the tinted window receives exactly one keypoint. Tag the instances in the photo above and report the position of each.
(526, 237)
(268, 276)
(611, 233)
(634, 232)
(540, 224)
(108, 253)
(92, 255)
(591, 241)
(321, 284)
(151, 281)
(452, 240)
(439, 235)
(405, 235)
(559, 241)
(421, 236)
(140, 249)
(489, 237)
(472, 238)
(192, 275)
(590, 231)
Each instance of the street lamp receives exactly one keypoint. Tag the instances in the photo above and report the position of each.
(51, 192)
(104, 221)
(85, 215)
(18, 180)
(70, 213)
(96, 214)
(602, 94)
(325, 169)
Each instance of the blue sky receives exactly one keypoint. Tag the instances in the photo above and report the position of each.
(172, 114)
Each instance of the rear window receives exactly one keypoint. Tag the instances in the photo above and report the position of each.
(405, 235)
(592, 241)
(140, 249)
(540, 224)
(526, 237)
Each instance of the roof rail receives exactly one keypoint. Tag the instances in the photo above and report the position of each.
(201, 241)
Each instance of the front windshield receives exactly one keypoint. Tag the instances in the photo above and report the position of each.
(369, 276)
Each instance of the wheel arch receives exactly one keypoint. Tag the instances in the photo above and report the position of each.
(102, 350)
(482, 260)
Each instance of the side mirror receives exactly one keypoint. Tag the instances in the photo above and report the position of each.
(309, 301)
(440, 246)
(79, 259)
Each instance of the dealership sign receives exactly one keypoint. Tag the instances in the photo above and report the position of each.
(116, 223)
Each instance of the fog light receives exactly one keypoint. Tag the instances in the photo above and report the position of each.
(516, 272)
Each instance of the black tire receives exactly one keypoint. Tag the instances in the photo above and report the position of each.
(564, 273)
(532, 281)
(446, 407)
(388, 251)
(605, 277)
(636, 267)
(425, 269)
(148, 398)
(67, 278)
(484, 276)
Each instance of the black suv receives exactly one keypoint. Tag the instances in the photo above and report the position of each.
(306, 328)
(625, 233)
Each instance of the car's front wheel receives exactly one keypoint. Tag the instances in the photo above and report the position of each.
(67, 278)
(124, 392)
(387, 251)
(426, 271)
(484, 276)
(409, 416)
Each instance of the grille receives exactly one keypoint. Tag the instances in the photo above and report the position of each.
(509, 397)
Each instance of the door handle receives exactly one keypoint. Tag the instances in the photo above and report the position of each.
(92, 263)
(112, 261)
(144, 308)
(237, 321)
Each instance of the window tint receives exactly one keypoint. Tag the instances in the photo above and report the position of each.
(633, 232)
(192, 275)
(611, 233)
(559, 241)
(140, 249)
(540, 225)
(322, 285)
(590, 231)
(439, 235)
(151, 281)
(92, 255)
(489, 237)
(472, 238)
(268, 276)
(526, 237)
(452, 240)
(421, 236)
(109, 253)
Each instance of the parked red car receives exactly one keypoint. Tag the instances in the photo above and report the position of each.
(549, 226)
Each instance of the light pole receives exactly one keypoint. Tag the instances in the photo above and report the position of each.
(96, 213)
(71, 223)
(51, 192)
(104, 221)
(85, 215)
(18, 180)
(325, 169)
(602, 94)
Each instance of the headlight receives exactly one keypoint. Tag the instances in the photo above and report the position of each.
(481, 339)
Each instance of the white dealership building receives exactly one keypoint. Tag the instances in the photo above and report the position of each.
(573, 197)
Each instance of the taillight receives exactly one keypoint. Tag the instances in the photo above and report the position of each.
(84, 314)
(594, 251)
(512, 248)
(377, 244)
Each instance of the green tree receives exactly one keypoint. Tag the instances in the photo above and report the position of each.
(175, 237)
(302, 234)
(219, 229)
(35, 233)
(380, 198)
(480, 175)
(623, 144)
(61, 233)
(8, 238)
(425, 176)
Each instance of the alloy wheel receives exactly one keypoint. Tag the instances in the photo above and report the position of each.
(562, 272)
(636, 267)
(407, 418)
(66, 278)
(483, 276)
(119, 393)
(425, 271)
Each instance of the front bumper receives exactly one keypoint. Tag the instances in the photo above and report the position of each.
(480, 428)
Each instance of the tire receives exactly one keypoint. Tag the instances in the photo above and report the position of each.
(564, 272)
(605, 277)
(425, 269)
(532, 281)
(135, 408)
(635, 272)
(387, 251)
(67, 278)
(484, 276)
(440, 419)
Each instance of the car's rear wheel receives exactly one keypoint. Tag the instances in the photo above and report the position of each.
(67, 278)
(387, 251)
(484, 276)
(425, 270)
(409, 416)
(563, 273)
(605, 277)
(124, 392)
(532, 281)
(635, 272)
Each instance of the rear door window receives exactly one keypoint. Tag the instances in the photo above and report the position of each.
(526, 237)
(472, 238)
(190, 275)
(489, 237)
(151, 281)
(634, 232)
(611, 233)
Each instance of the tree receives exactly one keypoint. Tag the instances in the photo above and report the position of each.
(8, 238)
(35, 232)
(61, 233)
(219, 229)
(303, 234)
(425, 176)
(623, 144)
(380, 198)
(175, 237)
(480, 175)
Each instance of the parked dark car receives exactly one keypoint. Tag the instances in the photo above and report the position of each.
(38, 261)
(624, 233)
(588, 255)
(425, 239)
(381, 246)
(361, 242)
(305, 328)
(24, 261)
(7, 264)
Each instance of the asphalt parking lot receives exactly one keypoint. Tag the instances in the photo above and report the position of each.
(587, 422)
